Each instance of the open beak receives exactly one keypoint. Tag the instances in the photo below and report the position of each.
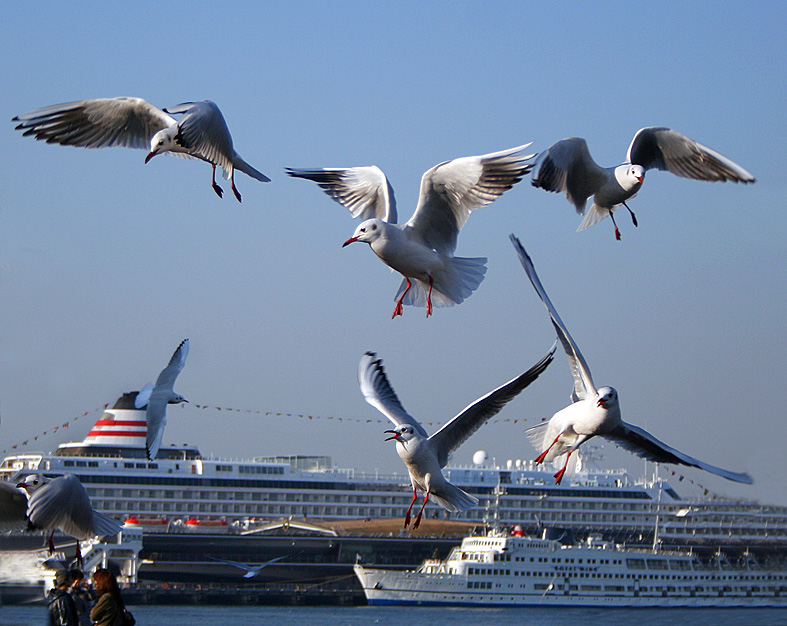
(22, 486)
(347, 243)
(395, 435)
(640, 179)
(150, 156)
(602, 401)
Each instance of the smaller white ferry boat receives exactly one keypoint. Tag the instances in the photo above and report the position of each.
(515, 570)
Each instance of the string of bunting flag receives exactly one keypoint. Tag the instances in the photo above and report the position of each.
(54, 429)
(373, 420)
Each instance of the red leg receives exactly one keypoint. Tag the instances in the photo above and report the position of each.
(51, 542)
(617, 232)
(421, 510)
(543, 455)
(407, 515)
(219, 191)
(559, 475)
(429, 298)
(398, 310)
(78, 555)
(234, 190)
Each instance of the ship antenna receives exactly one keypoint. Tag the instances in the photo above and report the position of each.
(658, 512)
(492, 514)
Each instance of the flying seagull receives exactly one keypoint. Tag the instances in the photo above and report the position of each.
(425, 455)
(251, 570)
(422, 249)
(595, 411)
(62, 504)
(567, 166)
(157, 397)
(201, 132)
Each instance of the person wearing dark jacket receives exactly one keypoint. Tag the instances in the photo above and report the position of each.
(82, 595)
(109, 609)
(60, 605)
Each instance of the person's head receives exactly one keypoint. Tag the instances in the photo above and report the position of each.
(62, 578)
(105, 582)
(77, 576)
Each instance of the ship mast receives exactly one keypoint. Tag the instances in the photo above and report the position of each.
(658, 512)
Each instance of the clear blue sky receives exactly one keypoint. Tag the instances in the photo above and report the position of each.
(106, 263)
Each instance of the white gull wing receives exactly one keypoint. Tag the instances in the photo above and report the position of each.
(583, 382)
(63, 503)
(567, 167)
(365, 191)
(100, 123)
(13, 507)
(143, 396)
(455, 432)
(667, 149)
(378, 392)
(166, 379)
(161, 395)
(645, 445)
(451, 190)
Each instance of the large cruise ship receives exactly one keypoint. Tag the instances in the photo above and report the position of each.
(183, 489)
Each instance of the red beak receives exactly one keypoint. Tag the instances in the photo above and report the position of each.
(21, 486)
(395, 434)
(150, 156)
(347, 243)
(601, 401)
(640, 178)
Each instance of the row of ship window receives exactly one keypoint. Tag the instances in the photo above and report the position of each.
(479, 571)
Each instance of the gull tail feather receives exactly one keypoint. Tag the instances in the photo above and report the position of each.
(594, 216)
(104, 526)
(453, 499)
(241, 165)
(456, 282)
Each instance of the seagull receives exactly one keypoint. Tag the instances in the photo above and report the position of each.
(201, 133)
(251, 570)
(422, 249)
(157, 398)
(62, 504)
(423, 455)
(568, 167)
(595, 411)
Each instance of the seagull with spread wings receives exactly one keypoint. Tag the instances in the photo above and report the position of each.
(63, 504)
(567, 167)
(595, 411)
(201, 132)
(422, 249)
(425, 456)
(154, 399)
(251, 571)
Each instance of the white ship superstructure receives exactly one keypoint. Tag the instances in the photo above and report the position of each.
(181, 485)
(499, 570)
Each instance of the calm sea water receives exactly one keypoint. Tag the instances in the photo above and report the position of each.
(414, 616)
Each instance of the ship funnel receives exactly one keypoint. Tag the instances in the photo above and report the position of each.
(122, 425)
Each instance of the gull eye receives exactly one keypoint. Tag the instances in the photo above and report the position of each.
(374, 226)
